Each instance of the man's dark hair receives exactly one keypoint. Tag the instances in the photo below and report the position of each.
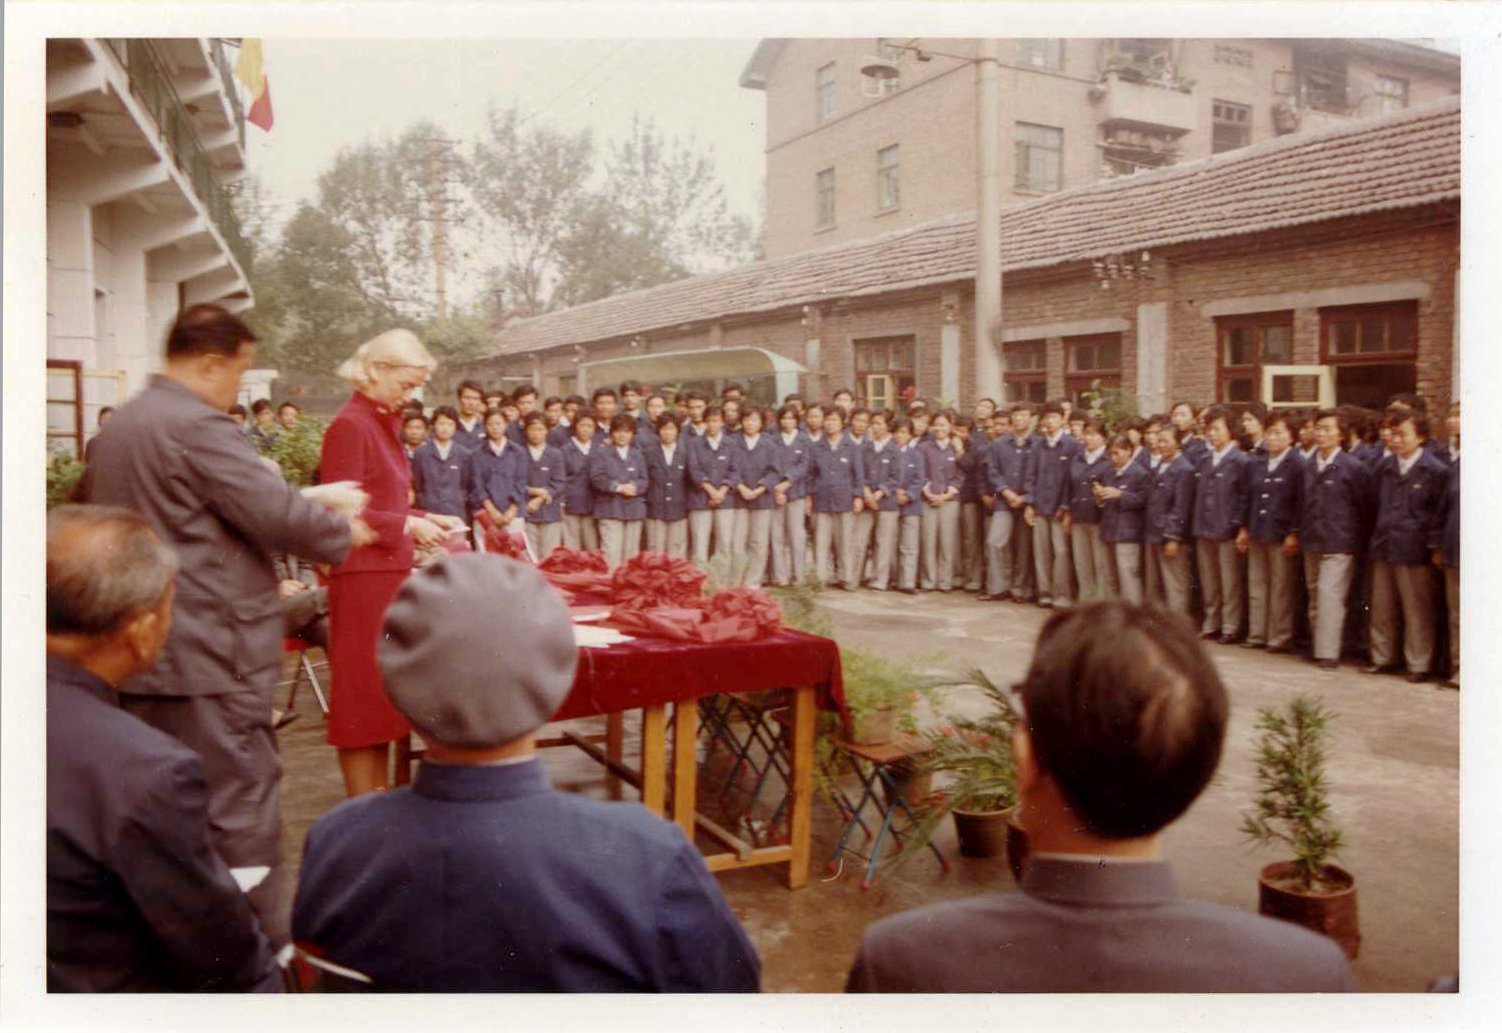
(1091, 423)
(524, 391)
(1216, 412)
(633, 386)
(207, 330)
(1167, 427)
(714, 409)
(1337, 415)
(260, 405)
(1193, 409)
(1126, 713)
(106, 410)
(1056, 407)
(104, 566)
(576, 400)
(693, 396)
(1408, 400)
(623, 421)
(446, 410)
(289, 405)
(533, 417)
(1397, 417)
(1257, 410)
(665, 419)
(732, 389)
(844, 391)
(469, 385)
(601, 392)
(237, 410)
(859, 410)
(550, 401)
(408, 417)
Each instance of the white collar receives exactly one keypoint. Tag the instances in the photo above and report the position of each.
(624, 451)
(582, 446)
(714, 442)
(1216, 457)
(443, 447)
(1054, 439)
(788, 439)
(1274, 462)
(491, 445)
(750, 441)
(1404, 465)
(1092, 457)
(883, 443)
(1322, 461)
(537, 450)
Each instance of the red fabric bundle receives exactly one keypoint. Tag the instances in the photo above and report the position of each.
(734, 615)
(576, 570)
(502, 540)
(655, 579)
(744, 608)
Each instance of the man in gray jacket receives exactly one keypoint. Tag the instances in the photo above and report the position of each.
(174, 456)
(1121, 720)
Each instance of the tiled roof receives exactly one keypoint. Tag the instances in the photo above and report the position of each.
(1404, 160)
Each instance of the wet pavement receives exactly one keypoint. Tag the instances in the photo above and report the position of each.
(1393, 771)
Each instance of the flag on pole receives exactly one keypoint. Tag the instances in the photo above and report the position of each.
(249, 70)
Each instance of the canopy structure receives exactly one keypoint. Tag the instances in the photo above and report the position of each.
(709, 364)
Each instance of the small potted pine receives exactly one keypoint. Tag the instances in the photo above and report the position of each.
(1292, 811)
(975, 754)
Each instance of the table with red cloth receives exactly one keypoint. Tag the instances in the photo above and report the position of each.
(648, 674)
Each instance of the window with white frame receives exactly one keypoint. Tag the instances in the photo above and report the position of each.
(825, 87)
(1392, 93)
(888, 181)
(824, 199)
(1041, 53)
(1040, 157)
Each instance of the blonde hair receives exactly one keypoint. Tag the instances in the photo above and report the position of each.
(393, 348)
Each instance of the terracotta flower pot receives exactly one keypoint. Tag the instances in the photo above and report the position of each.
(874, 728)
(1330, 912)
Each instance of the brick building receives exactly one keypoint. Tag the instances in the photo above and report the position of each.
(849, 157)
(1316, 267)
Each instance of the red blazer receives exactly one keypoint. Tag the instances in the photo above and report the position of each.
(363, 445)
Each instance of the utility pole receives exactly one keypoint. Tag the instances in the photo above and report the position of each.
(438, 212)
(990, 368)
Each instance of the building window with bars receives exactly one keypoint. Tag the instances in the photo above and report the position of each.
(888, 180)
(1392, 93)
(1246, 344)
(1093, 364)
(1040, 158)
(825, 87)
(1041, 53)
(885, 371)
(1026, 374)
(1231, 127)
(1374, 349)
(824, 199)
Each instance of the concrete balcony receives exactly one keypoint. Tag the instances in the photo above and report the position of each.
(1144, 104)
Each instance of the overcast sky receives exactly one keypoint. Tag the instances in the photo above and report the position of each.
(330, 94)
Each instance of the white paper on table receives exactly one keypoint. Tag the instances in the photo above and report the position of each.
(250, 877)
(587, 636)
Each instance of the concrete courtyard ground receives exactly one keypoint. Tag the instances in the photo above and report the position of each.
(1394, 771)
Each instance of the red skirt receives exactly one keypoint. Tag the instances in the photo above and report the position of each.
(359, 712)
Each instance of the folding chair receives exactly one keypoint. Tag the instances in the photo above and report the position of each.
(305, 668)
(874, 765)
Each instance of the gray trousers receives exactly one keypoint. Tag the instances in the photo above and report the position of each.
(1126, 561)
(1051, 561)
(1023, 580)
(620, 539)
(751, 543)
(1166, 579)
(1270, 578)
(941, 545)
(860, 545)
(884, 549)
(789, 543)
(1328, 576)
(1411, 588)
(1092, 562)
(973, 549)
(669, 536)
(231, 733)
(1002, 573)
(1452, 602)
(705, 525)
(909, 535)
(580, 532)
(544, 538)
(1222, 583)
(835, 532)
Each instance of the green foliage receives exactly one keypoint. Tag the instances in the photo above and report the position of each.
(297, 451)
(1109, 404)
(1292, 805)
(63, 474)
(977, 753)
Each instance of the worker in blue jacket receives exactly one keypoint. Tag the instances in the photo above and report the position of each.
(1166, 522)
(440, 468)
(711, 511)
(1219, 513)
(1411, 485)
(1185, 417)
(881, 465)
(1333, 531)
(497, 473)
(1123, 496)
(1048, 492)
(547, 475)
(911, 473)
(579, 528)
(1444, 551)
(667, 488)
(755, 471)
(618, 475)
(789, 532)
(1092, 559)
(1270, 536)
(1009, 573)
(836, 495)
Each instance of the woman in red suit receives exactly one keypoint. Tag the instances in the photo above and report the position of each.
(363, 444)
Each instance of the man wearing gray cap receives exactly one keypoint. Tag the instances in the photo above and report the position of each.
(479, 876)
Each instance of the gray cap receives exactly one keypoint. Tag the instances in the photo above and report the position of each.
(477, 650)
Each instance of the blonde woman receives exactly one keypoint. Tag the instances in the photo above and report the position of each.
(363, 445)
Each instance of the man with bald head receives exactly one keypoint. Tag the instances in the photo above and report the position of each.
(137, 898)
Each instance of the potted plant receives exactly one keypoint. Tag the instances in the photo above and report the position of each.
(297, 451)
(976, 754)
(1292, 810)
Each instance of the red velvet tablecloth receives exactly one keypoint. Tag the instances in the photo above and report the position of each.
(647, 671)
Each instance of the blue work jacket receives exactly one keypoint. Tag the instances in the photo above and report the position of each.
(1337, 505)
(1407, 507)
(1170, 503)
(550, 472)
(500, 478)
(607, 472)
(578, 496)
(441, 485)
(836, 476)
(1220, 496)
(707, 463)
(1444, 533)
(792, 458)
(1275, 498)
(1082, 475)
(667, 482)
(754, 467)
(882, 469)
(941, 467)
(1011, 466)
(1048, 474)
(1121, 519)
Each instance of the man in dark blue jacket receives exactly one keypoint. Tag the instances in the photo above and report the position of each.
(1332, 532)
(1009, 562)
(1270, 536)
(1048, 494)
(1170, 506)
(1410, 487)
(440, 468)
(479, 876)
(1444, 552)
(137, 897)
(1219, 512)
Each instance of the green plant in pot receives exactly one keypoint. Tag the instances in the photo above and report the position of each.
(975, 754)
(1292, 812)
(297, 451)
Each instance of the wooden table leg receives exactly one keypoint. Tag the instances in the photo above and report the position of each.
(402, 763)
(615, 734)
(685, 764)
(801, 819)
(654, 766)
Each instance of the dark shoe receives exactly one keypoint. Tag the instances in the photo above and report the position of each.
(908, 591)
(1417, 677)
(1379, 668)
(1279, 649)
(1232, 640)
(1210, 636)
(1450, 683)
(1328, 665)
(987, 597)
(1249, 644)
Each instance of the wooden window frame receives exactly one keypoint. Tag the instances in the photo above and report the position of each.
(77, 401)
(1028, 381)
(1225, 372)
(889, 171)
(820, 223)
(1077, 381)
(1022, 147)
(1242, 125)
(1328, 317)
(901, 375)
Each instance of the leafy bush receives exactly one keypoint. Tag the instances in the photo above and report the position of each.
(978, 753)
(1292, 805)
(297, 451)
(63, 473)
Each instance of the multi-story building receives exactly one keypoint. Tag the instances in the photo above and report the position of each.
(143, 135)
(850, 156)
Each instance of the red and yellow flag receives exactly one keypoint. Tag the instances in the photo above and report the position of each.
(249, 71)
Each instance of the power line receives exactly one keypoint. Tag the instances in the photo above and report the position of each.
(548, 106)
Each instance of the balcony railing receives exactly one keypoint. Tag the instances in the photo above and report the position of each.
(231, 92)
(152, 86)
